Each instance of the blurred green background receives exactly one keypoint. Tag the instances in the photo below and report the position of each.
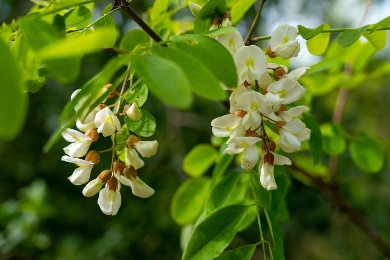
(44, 216)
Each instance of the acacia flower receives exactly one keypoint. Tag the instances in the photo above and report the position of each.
(292, 134)
(138, 187)
(251, 63)
(241, 89)
(145, 148)
(80, 175)
(106, 122)
(284, 91)
(232, 41)
(254, 101)
(133, 111)
(84, 118)
(284, 42)
(286, 115)
(95, 185)
(109, 197)
(266, 168)
(246, 145)
(79, 143)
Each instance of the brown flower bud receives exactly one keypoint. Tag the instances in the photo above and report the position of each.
(268, 146)
(130, 171)
(112, 183)
(102, 106)
(132, 140)
(119, 167)
(240, 113)
(282, 108)
(107, 86)
(269, 158)
(278, 73)
(246, 83)
(105, 175)
(226, 15)
(93, 134)
(125, 109)
(215, 21)
(279, 126)
(112, 94)
(250, 133)
(270, 53)
(93, 156)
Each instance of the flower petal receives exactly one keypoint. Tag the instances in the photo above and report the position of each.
(146, 148)
(81, 175)
(132, 158)
(281, 160)
(92, 187)
(249, 158)
(267, 178)
(109, 201)
(78, 162)
(140, 188)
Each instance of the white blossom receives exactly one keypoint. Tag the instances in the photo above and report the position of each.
(251, 63)
(93, 187)
(82, 173)
(110, 200)
(79, 143)
(284, 42)
(284, 91)
(84, 127)
(241, 89)
(291, 113)
(232, 41)
(246, 145)
(138, 187)
(292, 134)
(106, 122)
(266, 171)
(133, 111)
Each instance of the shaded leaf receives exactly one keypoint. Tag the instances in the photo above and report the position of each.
(240, 253)
(210, 10)
(199, 160)
(315, 141)
(367, 153)
(308, 33)
(381, 24)
(262, 196)
(144, 126)
(347, 38)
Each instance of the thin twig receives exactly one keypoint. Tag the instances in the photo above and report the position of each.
(248, 39)
(123, 90)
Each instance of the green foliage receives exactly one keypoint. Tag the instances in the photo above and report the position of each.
(367, 153)
(377, 39)
(307, 33)
(333, 138)
(239, 9)
(13, 102)
(138, 94)
(315, 141)
(212, 54)
(347, 38)
(210, 10)
(134, 39)
(106, 10)
(262, 196)
(275, 231)
(220, 31)
(318, 43)
(214, 234)
(121, 137)
(242, 253)
(221, 166)
(381, 24)
(199, 160)
(187, 202)
(144, 126)
(159, 7)
(279, 194)
(77, 18)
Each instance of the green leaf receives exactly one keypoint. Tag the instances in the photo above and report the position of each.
(318, 44)
(199, 160)
(367, 153)
(13, 103)
(64, 4)
(77, 18)
(39, 34)
(381, 24)
(333, 139)
(159, 7)
(187, 202)
(262, 196)
(210, 10)
(240, 253)
(202, 81)
(164, 79)
(212, 54)
(220, 194)
(214, 234)
(138, 94)
(308, 33)
(377, 39)
(121, 137)
(239, 9)
(220, 31)
(315, 141)
(221, 166)
(106, 23)
(106, 10)
(275, 255)
(347, 38)
(65, 70)
(279, 194)
(250, 217)
(133, 39)
(276, 233)
(144, 126)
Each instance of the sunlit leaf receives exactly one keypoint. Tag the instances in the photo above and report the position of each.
(239, 10)
(138, 94)
(199, 160)
(144, 126)
(377, 39)
(318, 44)
(308, 33)
(381, 24)
(77, 18)
(347, 38)
(210, 10)
(133, 39)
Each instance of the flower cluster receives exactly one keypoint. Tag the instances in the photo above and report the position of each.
(258, 97)
(101, 120)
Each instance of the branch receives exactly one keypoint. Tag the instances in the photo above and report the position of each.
(341, 204)
(133, 15)
(248, 39)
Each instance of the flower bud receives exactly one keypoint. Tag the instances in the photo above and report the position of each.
(240, 113)
(132, 140)
(281, 109)
(215, 23)
(93, 134)
(93, 156)
(119, 167)
(246, 83)
(278, 73)
(133, 111)
(112, 94)
(279, 126)
(226, 20)
(269, 158)
(130, 171)
(250, 133)
(105, 175)
(125, 108)
(270, 53)
(102, 106)
(268, 146)
(112, 183)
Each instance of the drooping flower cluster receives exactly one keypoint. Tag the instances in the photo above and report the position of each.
(258, 98)
(102, 120)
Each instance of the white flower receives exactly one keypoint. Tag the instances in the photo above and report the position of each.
(284, 91)
(265, 80)
(110, 200)
(292, 134)
(106, 122)
(80, 175)
(284, 42)
(146, 148)
(84, 127)
(132, 158)
(251, 63)
(84, 118)
(251, 120)
(296, 74)
(291, 113)
(246, 145)
(93, 187)
(241, 89)
(224, 125)
(133, 111)
(195, 8)
(79, 143)
(266, 170)
(254, 101)
(272, 66)
(232, 41)
(138, 187)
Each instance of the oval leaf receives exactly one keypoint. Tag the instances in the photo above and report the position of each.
(348, 37)
(315, 141)
(318, 44)
(367, 154)
(144, 126)
(241, 253)
(308, 33)
(77, 18)
(199, 160)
